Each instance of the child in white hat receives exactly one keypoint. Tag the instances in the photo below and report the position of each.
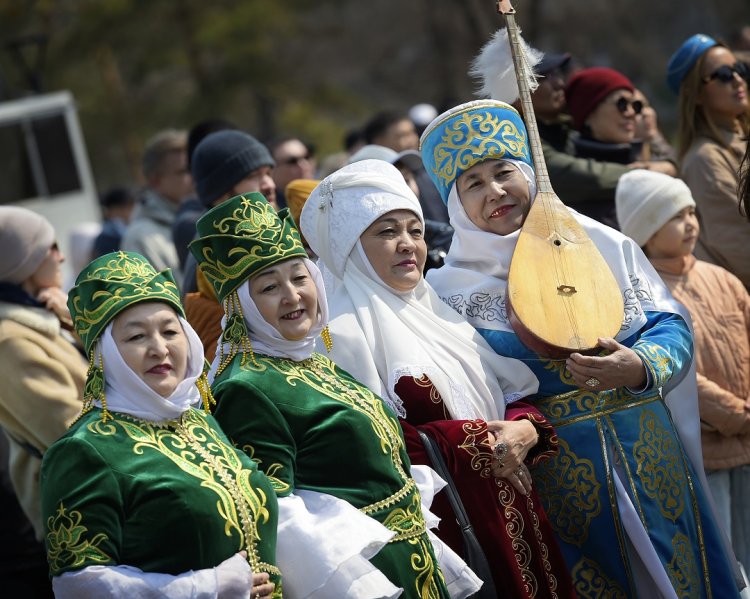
(658, 213)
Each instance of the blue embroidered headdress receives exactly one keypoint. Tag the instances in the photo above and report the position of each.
(468, 134)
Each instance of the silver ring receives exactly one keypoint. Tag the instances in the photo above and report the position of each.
(593, 382)
(520, 472)
(499, 451)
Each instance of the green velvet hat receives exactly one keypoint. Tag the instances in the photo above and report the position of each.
(240, 237)
(110, 284)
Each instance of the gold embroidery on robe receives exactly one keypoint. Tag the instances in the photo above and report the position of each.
(570, 493)
(185, 443)
(590, 582)
(658, 361)
(682, 568)
(478, 449)
(67, 545)
(661, 475)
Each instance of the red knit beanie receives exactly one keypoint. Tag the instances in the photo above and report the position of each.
(587, 88)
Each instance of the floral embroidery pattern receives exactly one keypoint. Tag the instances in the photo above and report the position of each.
(570, 492)
(682, 569)
(656, 454)
(477, 445)
(590, 582)
(67, 545)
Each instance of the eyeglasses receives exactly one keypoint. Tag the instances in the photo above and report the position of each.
(622, 104)
(725, 73)
(295, 160)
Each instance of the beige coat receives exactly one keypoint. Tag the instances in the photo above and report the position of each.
(720, 308)
(711, 173)
(41, 388)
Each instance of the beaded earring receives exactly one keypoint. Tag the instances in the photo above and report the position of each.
(235, 334)
(325, 335)
(204, 389)
(94, 387)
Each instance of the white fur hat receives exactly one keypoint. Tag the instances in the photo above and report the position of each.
(646, 200)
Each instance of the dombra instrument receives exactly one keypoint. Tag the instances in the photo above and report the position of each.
(562, 295)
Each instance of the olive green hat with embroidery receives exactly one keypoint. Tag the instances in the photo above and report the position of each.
(240, 237)
(112, 283)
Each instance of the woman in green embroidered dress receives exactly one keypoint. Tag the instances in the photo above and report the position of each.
(351, 523)
(145, 495)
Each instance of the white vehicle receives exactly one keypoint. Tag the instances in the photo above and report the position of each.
(44, 165)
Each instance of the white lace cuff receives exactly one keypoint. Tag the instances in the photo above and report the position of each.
(323, 549)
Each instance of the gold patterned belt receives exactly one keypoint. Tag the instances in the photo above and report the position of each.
(407, 522)
(577, 406)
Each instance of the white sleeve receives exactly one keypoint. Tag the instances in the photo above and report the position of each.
(232, 578)
(459, 578)
(323, 549)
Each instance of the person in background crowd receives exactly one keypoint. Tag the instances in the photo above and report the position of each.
(393, 130)
(658, 213)
(714, 121)
(396, 131)
(42, 372)
(145, 496)
(225, 163)
(117, 205)
(191, 208)
(625, 494)
(392, 333)
(577, 181)
(654, 145)
(601, 103)
(294, 159)
(350, 512)
(168, 180)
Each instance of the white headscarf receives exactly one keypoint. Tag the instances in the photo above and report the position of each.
(128, 393)
(380, 335)
(264, 338)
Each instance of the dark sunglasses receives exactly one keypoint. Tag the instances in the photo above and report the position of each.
(622, 104)
(725, 74)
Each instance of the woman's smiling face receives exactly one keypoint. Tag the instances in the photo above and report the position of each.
(495, 196)
(286, 297)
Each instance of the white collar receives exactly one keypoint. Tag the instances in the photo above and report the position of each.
(127, 393)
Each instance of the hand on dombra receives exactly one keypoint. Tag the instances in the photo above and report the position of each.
(511, 441)
(234, 578)
(621, 368)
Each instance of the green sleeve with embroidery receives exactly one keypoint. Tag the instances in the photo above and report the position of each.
(81, 508)
(253, 422)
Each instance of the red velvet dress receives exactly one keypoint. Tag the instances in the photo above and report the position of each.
(512, 529)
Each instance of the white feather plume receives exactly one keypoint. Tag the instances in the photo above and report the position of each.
(494, 67)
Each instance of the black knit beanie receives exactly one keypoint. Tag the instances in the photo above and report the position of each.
(224, 158)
